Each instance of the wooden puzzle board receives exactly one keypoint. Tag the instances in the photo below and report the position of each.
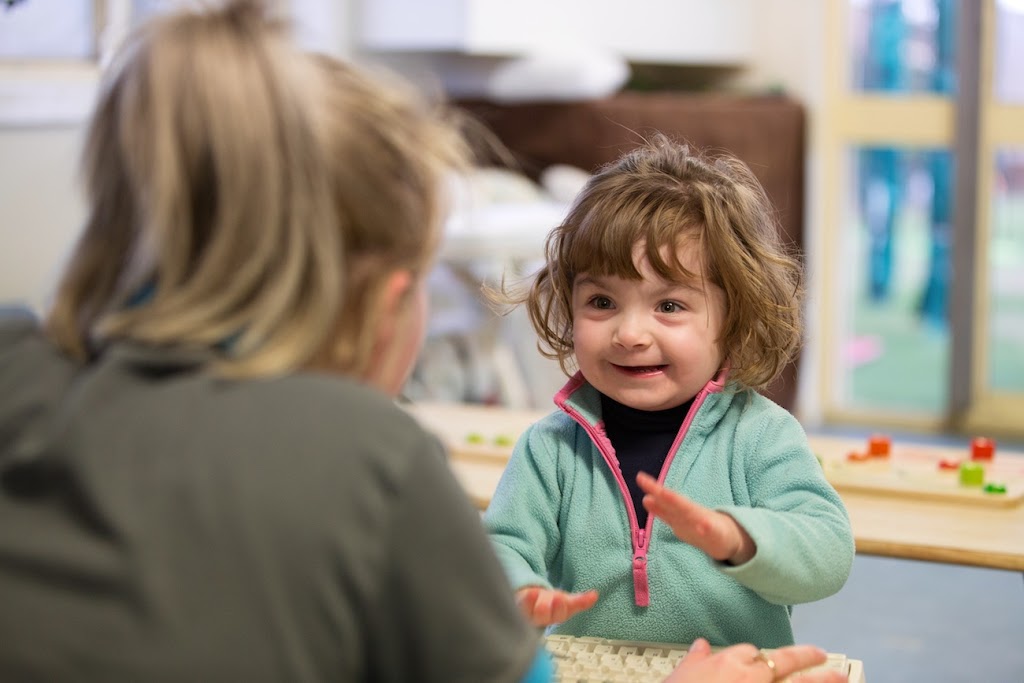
(912, 471)
(483, 436)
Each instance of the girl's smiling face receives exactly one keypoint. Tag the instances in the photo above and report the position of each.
(650, 344)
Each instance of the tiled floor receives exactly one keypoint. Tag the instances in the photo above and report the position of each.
(920, 622)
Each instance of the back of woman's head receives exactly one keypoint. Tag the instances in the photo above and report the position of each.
(248, 197)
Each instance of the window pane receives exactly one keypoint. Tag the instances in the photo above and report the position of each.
(47, 29)
(896, 342)
(903, 46)
(1009, 80)
(1006, 275)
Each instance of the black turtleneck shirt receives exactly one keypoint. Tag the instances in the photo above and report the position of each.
(641, 439)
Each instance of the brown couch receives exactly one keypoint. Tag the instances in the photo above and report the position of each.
(767, 132)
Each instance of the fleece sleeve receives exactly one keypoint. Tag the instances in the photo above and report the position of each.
(797, 521)
(522, 518)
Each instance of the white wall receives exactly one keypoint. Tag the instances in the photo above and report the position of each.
(41, 129)
(40, 208)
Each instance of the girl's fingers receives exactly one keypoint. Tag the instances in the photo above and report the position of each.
(648, 484)
(526, 598)
(568, 604)
(545, 607)
(583, 601)
(560, 608)
(529, 600)
(665, 500)
(542, 608)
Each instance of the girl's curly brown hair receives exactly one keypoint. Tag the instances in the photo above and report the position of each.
(661, 194)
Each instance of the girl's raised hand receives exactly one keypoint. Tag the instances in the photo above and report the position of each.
(716, 533)
(545, 606)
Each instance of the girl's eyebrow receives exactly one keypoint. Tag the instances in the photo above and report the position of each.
(671, 287)
(588, 280)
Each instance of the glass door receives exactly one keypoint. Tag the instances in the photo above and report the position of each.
(924, 305)
(890, 135)
(995, 376)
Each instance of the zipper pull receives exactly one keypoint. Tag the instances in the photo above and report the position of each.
(641, 590)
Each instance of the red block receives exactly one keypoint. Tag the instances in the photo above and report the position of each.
(879, 446)
(982, 448)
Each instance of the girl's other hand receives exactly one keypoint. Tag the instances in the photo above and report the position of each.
(716, 533)
(544, 606)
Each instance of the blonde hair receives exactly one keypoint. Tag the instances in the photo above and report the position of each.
(661, 194)
(248, 197)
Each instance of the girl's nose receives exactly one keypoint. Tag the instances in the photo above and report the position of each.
(631, 332)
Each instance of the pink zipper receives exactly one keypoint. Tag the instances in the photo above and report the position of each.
(639, 537)
(641, 591)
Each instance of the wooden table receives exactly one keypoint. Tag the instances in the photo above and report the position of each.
(908, 527)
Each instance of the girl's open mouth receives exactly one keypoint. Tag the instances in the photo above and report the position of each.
(641, 370)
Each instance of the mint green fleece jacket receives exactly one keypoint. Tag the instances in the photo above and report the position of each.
(562, 517)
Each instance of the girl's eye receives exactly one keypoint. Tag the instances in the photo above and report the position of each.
(602, 302)
(669, 307)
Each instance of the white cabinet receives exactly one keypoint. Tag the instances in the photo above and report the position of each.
(712, 32)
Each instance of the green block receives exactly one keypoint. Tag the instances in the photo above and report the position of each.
(971, 474)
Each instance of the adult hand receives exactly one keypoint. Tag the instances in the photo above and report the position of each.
(544, 606)
(744, 664)
(716, 533)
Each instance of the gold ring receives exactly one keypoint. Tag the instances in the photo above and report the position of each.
(768, 661)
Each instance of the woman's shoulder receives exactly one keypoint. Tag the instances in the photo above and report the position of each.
(16, 320)
(325, 448)
(333, 412)
(18, 327)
